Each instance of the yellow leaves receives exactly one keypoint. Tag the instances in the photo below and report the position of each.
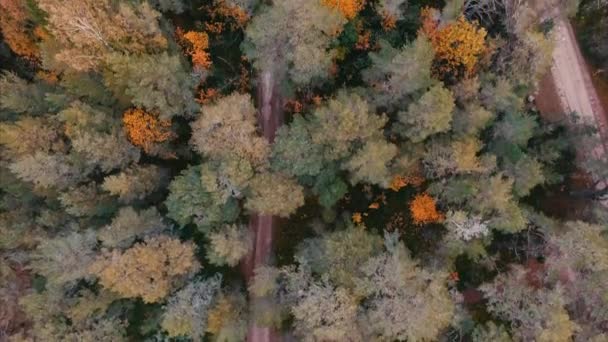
(424, 210)
(144, 129)
(348, 8)
(457, 45)
(147, 269)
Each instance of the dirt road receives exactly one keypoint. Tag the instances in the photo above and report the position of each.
(576, 91)
(264, 227)
(573, 80)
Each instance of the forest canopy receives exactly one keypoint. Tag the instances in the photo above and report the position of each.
(322, 170)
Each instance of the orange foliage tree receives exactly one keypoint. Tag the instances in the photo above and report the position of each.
(398, 182)
(424, 210)
(144, 129)
(224, 15)
(15, 29)
(348, 8)
(196, 45)
(457, 45)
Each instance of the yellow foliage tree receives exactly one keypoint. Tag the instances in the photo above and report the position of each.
(144, 129)
(424, 210)
(146, 270)
(348, 8)
(458, 45)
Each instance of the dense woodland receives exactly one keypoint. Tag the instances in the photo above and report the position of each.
(421, 195)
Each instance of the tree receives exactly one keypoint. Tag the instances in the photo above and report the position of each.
(19, 96)
(397, 73)
(339, 254)
(88, 30)
(294, 153)
(147, 269)
(471, 120)
(64, 259)
(342, 122)
(348, 8)
(130, 224)
(293, 37)
(192, 200)
(498, 94)
(323, 312)
(423, 210)
(106, 151)
(457, 45)
(515, 128)
(134, 183)
(15, 29)
(391, 9)
(187, 310)
(87, 201)
(153, 82)
(48, 170)
(228, 129)
(196, 44)
(274, 194)
(403, 301)
(370, 163)
(29, 135)
(227, 320)
(145, 130)
(431, 114)
(535, 314)
(229, 245)
(592, 20)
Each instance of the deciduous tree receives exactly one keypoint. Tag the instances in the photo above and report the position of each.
(274, 194)
(90, 29)
(187, 310)
(293, 37)
(228, 129)
(146, 270)
(431, 114)
(152, 82)
(130, 224)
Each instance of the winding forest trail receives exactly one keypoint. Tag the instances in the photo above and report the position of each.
(264, 227)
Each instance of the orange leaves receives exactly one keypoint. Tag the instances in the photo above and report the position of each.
(398, 182)
(348, 8)
(363, 41)
(357, 218)
(206, 96)
(196, 44)
(16, 30)
(389, 22)
(144, 129)
(221, 9)
(424, 210)
(457, 45)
